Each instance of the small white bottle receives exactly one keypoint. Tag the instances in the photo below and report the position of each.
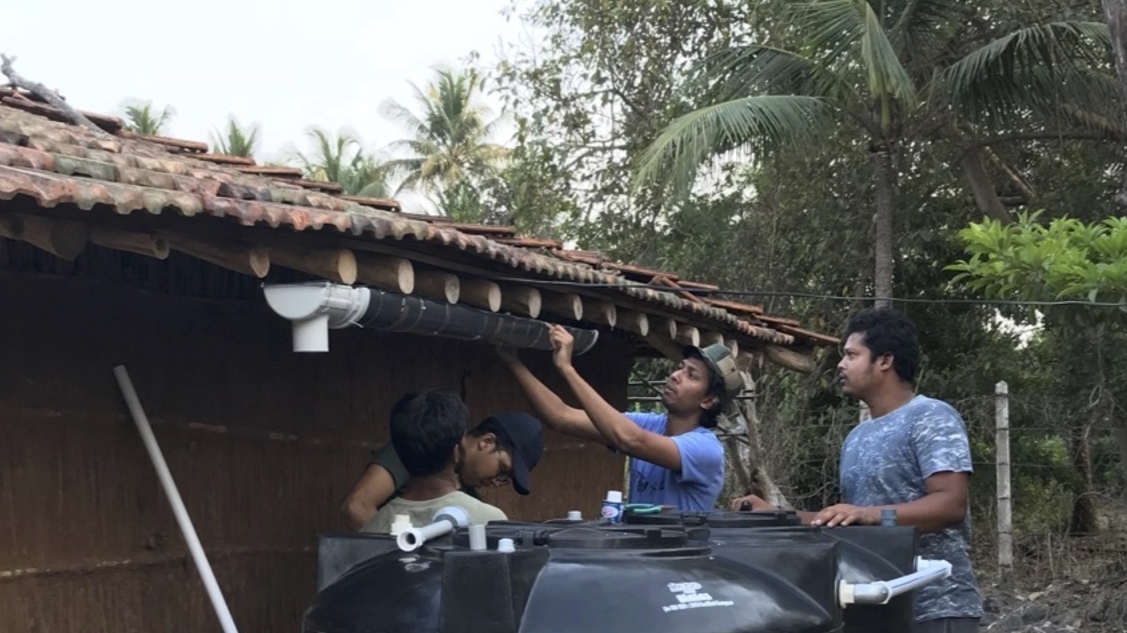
(612, 506)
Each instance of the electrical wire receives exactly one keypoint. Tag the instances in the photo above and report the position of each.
(826, 297)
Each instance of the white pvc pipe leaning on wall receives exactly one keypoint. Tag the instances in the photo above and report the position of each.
(166, 482)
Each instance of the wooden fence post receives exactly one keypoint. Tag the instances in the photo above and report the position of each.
(1005, 499)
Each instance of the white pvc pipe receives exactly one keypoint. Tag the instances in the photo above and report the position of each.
(412, 539)
(882, 591)
(443, 522)
(166, 482)
(478, 542)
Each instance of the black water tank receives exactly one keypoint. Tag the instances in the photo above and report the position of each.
(653, 578)
(867, 554)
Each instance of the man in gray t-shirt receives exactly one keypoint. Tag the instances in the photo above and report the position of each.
(913, 457)
(887, 461)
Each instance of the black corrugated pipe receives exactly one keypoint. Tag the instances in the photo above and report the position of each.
(316, 307)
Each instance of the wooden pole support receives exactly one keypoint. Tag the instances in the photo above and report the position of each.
(229, 254)
(1004, 485)
(665, 328)
(334, 264)
(438, 285)
(790, 359)
(566, 305)
(130, 241)
(636, 322)
(711, 338)
(481, 293)
(64, 239)
(667, 346)
(521, 300)
(601, 312)
(687, 335)
(389, 273)
(733, 345)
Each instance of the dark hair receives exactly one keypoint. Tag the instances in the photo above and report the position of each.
(425, 429)
(489, 425)
(889, 331)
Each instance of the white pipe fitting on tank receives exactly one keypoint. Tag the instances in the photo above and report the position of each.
(445, 520)
(882, 591)
(478, 542)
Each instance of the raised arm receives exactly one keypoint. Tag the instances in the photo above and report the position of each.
(618, 430)
(554, 412)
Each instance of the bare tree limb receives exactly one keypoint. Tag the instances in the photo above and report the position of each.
(1048, 135)
(45, 93)
(1024, 187)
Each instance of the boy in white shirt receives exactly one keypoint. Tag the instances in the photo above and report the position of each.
(427, 431)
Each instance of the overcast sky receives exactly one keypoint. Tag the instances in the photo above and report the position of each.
(282, 64)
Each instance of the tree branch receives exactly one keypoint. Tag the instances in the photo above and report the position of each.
(1048, 135)
(45, 93)
(1025, 188)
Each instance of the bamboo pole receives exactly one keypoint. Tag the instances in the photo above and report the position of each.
(1005, 494)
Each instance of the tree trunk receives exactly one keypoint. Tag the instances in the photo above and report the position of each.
(1119, 431)
(882, 230)
(1083, 520)
(984, 195)
(1116, 12)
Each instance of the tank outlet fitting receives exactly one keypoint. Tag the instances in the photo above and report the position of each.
(445, 520)
(477, 537)
(881, 591)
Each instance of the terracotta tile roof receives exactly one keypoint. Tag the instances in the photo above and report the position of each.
(60, 164)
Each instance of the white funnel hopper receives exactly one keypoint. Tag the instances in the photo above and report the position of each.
(316, 307)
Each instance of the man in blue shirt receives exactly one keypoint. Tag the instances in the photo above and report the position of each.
(912, 456)
(676, 460)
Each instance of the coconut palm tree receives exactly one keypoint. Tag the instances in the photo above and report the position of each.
(450, 138)
(235, 140)
(142, 118)
(904, 75)
(341, 159)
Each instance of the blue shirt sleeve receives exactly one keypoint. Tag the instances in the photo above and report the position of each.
(652, 422)
(702, 458)
(939, 439)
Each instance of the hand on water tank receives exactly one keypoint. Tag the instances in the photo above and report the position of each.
(845, 514)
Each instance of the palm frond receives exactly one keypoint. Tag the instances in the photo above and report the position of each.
(449, 134)
(850, 32)
(758, 124)
(236, 140)
(143, 119)
(396, 112)
(757, 69)
(1028, 65)
(924, 26)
